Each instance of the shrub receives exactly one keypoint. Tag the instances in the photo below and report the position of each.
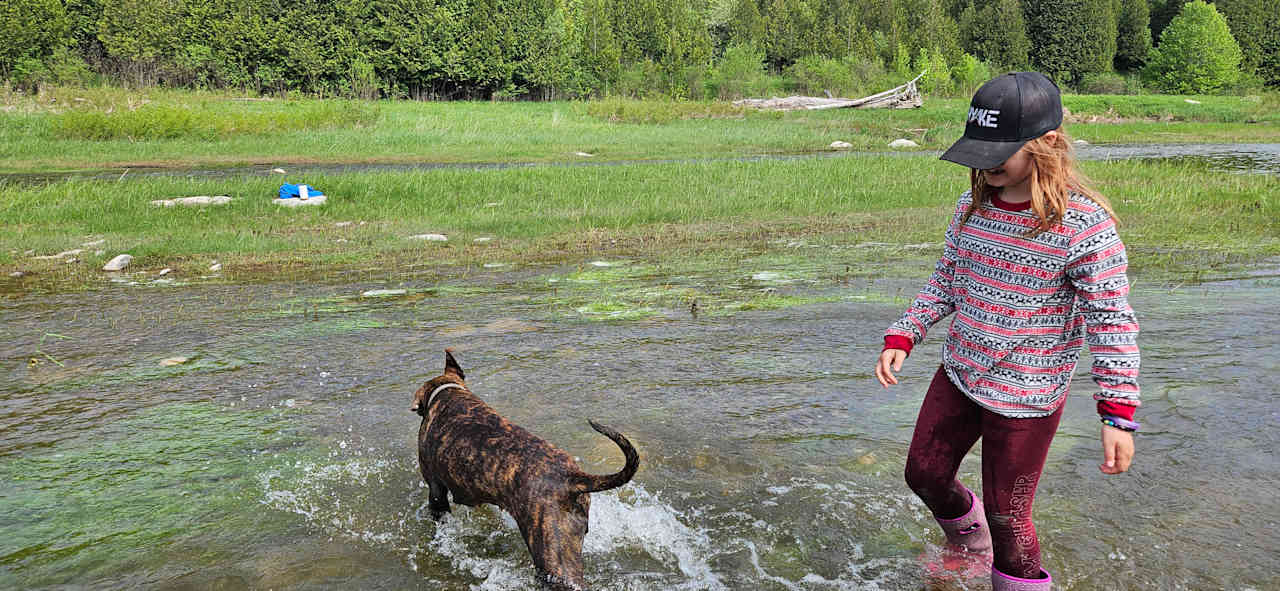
(1103, 83)
(814, 75)
(937, 75)
(738, 74)
(1197, 53)
(969, 74)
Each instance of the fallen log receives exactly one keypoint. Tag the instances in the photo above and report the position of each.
(906, 96)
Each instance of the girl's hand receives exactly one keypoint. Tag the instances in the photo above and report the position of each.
(891, 361)
(1117, 450)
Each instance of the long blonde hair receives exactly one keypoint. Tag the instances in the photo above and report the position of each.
(1053, 176)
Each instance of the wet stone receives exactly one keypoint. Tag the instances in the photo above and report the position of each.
(118, 263)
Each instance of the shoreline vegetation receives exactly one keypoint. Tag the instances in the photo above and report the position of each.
(712, 208)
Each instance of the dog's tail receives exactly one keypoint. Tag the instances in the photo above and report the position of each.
(593, 483)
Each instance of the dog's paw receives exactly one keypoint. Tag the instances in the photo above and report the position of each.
(438, 511)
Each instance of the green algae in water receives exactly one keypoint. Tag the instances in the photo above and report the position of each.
(140, 484)
(148, 368)
(615, 310)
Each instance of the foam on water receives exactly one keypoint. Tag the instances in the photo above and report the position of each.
(644, 521)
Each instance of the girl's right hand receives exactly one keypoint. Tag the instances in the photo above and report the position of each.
(890, 361)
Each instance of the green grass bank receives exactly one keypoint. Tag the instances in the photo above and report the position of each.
(849, 214)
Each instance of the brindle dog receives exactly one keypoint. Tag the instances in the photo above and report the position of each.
(468, 449)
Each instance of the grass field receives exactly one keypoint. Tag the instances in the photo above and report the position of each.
(852, 212)
(111, 129)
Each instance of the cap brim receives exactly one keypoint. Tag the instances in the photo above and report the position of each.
(981, 154)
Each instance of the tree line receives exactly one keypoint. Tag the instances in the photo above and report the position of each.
(543, 49)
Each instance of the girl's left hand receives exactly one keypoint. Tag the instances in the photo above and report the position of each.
(1117, 450)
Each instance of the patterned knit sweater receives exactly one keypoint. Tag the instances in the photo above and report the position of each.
(1024, 306)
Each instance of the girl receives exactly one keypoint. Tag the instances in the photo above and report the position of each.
(1033, 268)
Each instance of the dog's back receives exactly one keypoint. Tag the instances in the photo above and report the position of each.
(466, 448)
(484, 458)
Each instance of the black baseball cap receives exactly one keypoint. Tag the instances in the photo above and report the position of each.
(1004, 114)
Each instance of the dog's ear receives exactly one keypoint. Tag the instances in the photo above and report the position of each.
(451, 365)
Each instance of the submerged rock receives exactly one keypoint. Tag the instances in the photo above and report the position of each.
(171, 361)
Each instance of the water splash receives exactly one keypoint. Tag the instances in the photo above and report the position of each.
(366, 500)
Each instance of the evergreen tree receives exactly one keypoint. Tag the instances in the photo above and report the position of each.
(746, 26)
(1196, 54)
(1269, 64)
(996, 33)
(1134, 40)
(789, 31)
(1163, 11)
(925, 24)
(1248, 20)
(29, 31)
(601, 57)
(1071, 38)
(1100, 30)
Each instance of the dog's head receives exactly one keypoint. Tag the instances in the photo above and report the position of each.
(452, 375)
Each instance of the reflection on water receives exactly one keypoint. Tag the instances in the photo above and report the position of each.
(281, 455)
(1248, 158)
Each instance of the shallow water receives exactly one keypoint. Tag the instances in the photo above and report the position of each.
(280, 454)
(1258, 158)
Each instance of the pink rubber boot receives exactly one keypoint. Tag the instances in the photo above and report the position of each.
(1003, 582)
(967, 552)
(969, 532)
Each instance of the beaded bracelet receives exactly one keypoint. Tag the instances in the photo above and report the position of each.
(1120, 423)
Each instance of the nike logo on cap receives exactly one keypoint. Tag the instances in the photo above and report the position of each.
(984, 117)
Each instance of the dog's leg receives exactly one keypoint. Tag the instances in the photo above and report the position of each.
(439, 498)
(554, 537)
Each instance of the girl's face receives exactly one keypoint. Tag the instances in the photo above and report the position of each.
(1015, 172)
(1014, 176)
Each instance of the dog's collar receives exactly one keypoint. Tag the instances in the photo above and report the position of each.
(441, 388)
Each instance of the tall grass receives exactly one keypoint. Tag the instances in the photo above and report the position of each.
(162, 121)
(55, 131)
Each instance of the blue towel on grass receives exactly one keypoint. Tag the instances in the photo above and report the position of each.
(288, 191)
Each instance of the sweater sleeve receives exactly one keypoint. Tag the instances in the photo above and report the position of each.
(1096, 267)
(936, 300)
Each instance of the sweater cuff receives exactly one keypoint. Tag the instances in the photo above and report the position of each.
(896, 341)
(1115, 409)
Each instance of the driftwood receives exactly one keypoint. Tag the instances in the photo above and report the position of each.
(906, 96)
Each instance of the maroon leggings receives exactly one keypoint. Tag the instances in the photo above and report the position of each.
(1013, 454)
